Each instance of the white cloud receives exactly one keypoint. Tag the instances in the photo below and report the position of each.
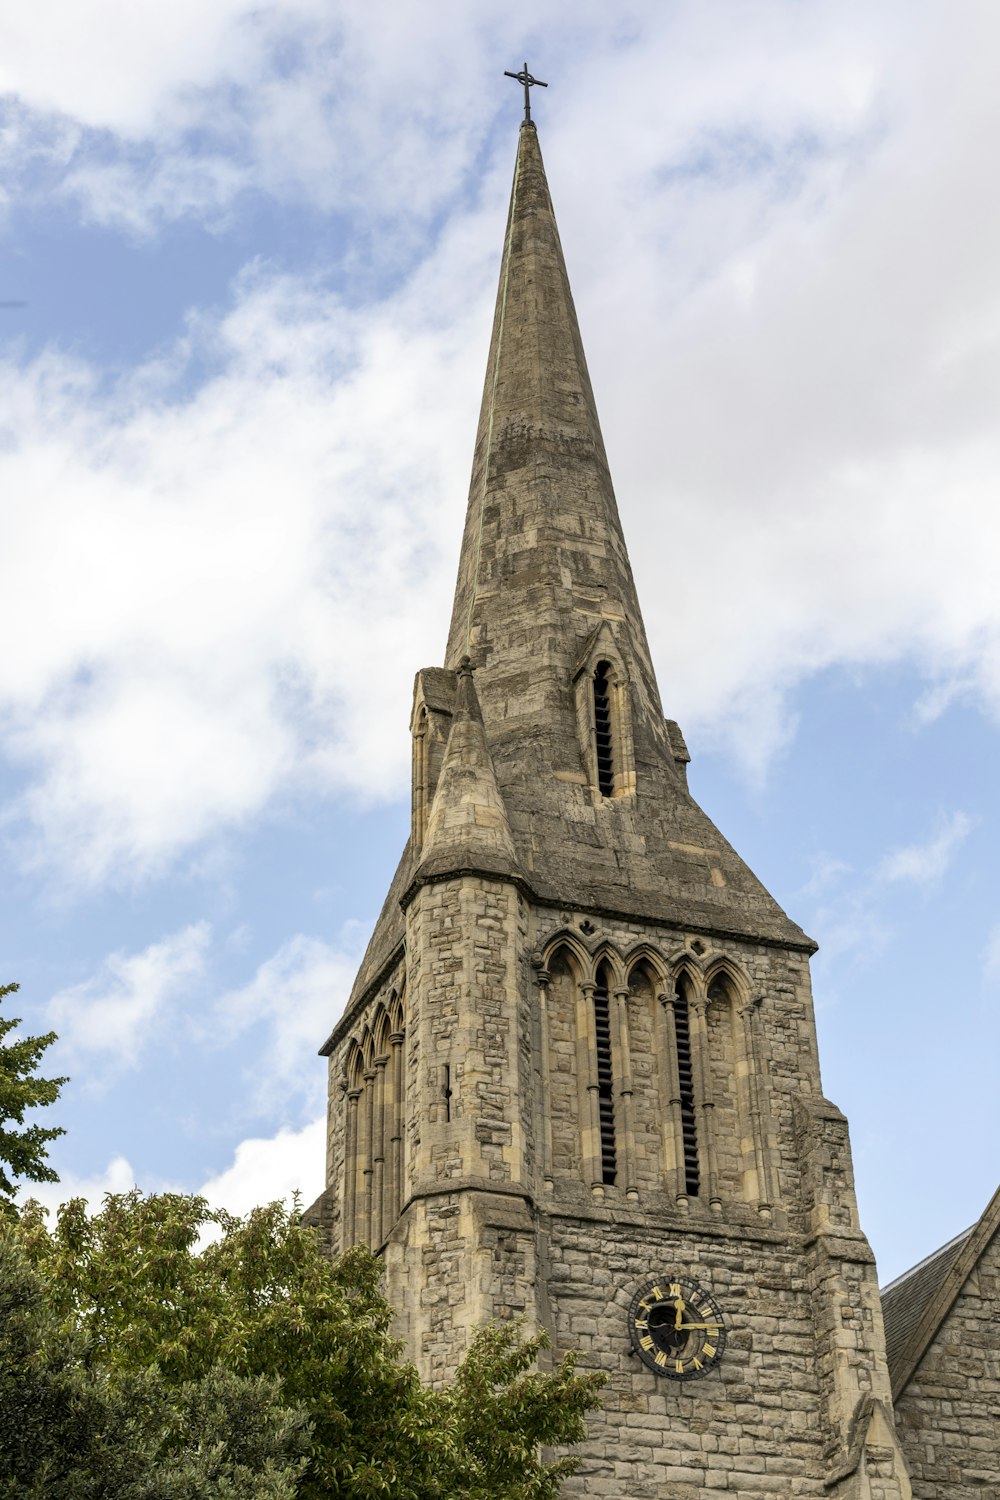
(925, 863)
(181, 112)
(296, 996)
(117, 1177)
(119, 1010)
(200, 572)
(788, 296)
(263, 1170)
(115, 67)
(177, 113)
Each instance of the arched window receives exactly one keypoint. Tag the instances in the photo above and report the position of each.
(605, 1078)
(685, 1079)
(373, 1128)
(604, 718)
(603, 731)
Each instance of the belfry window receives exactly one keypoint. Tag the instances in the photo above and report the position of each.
(602, 730)
(605, 1082)
(685, 1077)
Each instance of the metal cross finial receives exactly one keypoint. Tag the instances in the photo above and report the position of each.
(525, 77)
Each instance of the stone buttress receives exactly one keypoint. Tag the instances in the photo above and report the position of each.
(580, 1054)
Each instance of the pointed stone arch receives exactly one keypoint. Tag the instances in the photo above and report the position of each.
(686, 1006)
(646, 953)
(374, 1114)
(684, 963)
(565, 980)
(742, 1117)
(606, 953)
(379, 1028)
(430, 725)
(397, 1009)
(726, 1126)
(646, 981)
(565, 940)
(353, 1063)
(603, 694)
(354, 1068)
(724, 970)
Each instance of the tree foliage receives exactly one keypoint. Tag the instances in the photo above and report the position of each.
(22, 1147)
(262, 1303)
(72, 1430)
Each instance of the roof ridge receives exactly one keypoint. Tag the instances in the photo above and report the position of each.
(919, 1266)
(967, 1250)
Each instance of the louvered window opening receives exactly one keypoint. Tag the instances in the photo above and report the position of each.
(605, 1097)
(602, 730)
(685, 1073)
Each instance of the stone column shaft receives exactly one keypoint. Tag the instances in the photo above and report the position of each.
(626, 1090)
(590, 1109)
(351, 1169)
(395, 1172)
(704, 1100)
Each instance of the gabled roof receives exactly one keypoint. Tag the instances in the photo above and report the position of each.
(915, 1305)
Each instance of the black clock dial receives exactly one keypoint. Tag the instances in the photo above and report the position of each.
(676, 1328)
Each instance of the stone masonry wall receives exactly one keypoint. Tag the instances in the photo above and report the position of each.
(500, 1218)
(469, 1094)
(948, 1417)
(749, 1428)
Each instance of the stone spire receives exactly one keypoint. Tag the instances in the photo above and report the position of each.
(544, 592)
(543, 555)
(467, 828)
(544, 596)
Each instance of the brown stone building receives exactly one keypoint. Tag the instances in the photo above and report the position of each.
(942, 1336)
(577, 1078)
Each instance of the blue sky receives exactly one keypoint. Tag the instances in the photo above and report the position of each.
(257, 248)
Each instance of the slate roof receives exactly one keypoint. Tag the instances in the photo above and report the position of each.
(905, 1300)
(915, 1305)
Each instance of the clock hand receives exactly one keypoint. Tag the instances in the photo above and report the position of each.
(697, 1325)
(681, 1307)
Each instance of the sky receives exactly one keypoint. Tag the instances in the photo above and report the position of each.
(248, 257)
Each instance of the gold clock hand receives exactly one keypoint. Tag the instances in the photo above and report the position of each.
(681, 1307)
(697, 1325)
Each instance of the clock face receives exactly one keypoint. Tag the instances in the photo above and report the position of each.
(676, 1328)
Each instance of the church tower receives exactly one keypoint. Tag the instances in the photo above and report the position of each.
(577, 1079)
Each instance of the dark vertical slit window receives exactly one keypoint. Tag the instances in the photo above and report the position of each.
(605, 1097)
(685, 1073)
(602, 730)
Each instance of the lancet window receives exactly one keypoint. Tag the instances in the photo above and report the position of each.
(690, 1169)
(604, 718)
(650, 1078)
(603, 733)
(373, 1127)
(605, 1078)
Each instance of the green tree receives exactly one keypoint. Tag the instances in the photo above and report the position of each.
(22, 1147)
(73, 1431)
(262, 1301)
